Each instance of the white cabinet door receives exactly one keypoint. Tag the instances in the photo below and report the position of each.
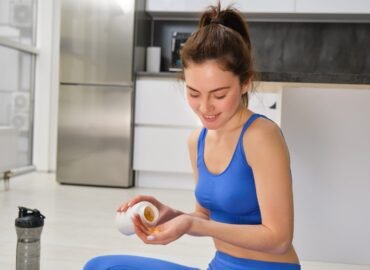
(177, 5)
(333, 6)
(159, 149)
(265, 6)
(268, 104)
(200, 5)
(160, 101)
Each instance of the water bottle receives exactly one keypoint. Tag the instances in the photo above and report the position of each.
(29, 226)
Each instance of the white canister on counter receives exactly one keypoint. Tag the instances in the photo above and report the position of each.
(147, 212)
(153, 59)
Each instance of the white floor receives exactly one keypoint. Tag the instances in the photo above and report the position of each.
(80, 224)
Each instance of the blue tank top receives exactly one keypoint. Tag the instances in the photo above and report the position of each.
(231, 195)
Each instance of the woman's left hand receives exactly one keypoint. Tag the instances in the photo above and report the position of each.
(164, 233)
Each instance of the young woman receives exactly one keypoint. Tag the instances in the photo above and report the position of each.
(240, 162)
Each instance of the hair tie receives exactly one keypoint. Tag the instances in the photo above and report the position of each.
(216, 20)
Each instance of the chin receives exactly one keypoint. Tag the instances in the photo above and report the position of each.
(207, 125)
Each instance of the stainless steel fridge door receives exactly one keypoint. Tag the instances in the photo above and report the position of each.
(94, 135)
(97, 41)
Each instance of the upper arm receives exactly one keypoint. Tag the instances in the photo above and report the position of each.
(268, 156)
(192, 147)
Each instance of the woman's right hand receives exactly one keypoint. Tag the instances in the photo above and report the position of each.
(165, 212)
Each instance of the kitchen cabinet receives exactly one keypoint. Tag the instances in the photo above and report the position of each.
(163, 123)
(185, 6)
(292, 7)
(162, 149)
(161, 101)
(267, 103)
(333, 6)
(176, 6)
(264, 6)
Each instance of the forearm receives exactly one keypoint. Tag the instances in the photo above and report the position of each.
(254, 237)
(172, 213)
(198, 214)
(169, 214)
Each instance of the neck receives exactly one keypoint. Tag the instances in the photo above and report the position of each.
(235, 123)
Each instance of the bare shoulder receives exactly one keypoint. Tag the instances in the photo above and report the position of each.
(193, 138)
(262, 130)
(264, 141)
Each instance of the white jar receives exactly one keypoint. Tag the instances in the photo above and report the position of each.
(153, 59)
(147, 212)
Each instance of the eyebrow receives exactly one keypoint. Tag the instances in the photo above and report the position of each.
(211, 91)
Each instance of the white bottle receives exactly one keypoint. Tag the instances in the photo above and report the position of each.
(147, 212)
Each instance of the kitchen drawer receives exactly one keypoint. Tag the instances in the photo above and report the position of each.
(160, 149)
(162, 101)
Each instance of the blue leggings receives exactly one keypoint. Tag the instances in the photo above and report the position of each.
(221, 261)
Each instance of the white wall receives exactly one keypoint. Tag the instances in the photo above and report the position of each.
(328, 133)
(46, 88)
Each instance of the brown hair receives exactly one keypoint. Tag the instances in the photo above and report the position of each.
(223, 36)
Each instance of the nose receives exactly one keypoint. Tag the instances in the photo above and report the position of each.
(206, 106)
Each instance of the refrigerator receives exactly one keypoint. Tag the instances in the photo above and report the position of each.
(99, 53)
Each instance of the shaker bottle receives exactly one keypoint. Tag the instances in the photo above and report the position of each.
(28, 225)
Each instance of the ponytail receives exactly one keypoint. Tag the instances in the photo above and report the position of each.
(229, 17)
(223, 36)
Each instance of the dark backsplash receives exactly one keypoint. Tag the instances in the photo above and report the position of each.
(295, 52)
(312, 48)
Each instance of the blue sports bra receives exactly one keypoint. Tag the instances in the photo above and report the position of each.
(231, 195)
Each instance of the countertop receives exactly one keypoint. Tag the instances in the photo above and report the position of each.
(360, 81)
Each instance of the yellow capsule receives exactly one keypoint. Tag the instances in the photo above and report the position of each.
(149, 214)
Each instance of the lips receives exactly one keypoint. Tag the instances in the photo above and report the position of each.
(210, 117)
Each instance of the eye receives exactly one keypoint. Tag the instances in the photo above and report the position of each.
(193, 94)
(220, 97)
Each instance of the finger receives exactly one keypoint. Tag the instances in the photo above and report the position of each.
(160, 236)
(135, 200)
(138, 223)
(158, 239)
(140, 198)
(141, 233)
(123, 207)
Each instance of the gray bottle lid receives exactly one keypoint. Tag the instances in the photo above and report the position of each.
(29, 218)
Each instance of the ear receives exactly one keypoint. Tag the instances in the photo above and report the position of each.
(246, 86)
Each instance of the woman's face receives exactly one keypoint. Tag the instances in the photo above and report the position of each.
(212, 93)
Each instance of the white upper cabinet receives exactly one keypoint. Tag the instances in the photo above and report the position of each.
(161, 101)
(333, 6)
(177, 5)
(263, 6)
(197, 6)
